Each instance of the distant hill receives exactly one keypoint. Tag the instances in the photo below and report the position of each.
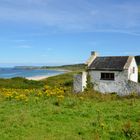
(138, 59)
(74, 67)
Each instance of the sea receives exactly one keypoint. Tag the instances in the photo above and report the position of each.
(7, 73)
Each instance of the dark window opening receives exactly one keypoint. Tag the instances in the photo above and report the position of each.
(107, 76)
(133, 69)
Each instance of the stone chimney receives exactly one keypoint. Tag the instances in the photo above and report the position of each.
(92, 58)
(93, 53)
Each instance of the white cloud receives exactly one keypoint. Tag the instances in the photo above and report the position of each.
(74, 15)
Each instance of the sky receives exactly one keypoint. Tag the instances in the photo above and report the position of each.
(57, 32)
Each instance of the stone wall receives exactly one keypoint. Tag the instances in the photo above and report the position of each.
(121, 85)
(109, 86)
(134, 87)
(79, 82)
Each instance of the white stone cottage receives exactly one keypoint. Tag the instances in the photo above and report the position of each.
(110, 74)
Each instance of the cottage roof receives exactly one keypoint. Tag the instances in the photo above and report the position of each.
(116, 63)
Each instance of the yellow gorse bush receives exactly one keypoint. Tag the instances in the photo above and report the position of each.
(25, 94)
(17, 94)
(54, 91)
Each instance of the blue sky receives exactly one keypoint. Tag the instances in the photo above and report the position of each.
(55, 32)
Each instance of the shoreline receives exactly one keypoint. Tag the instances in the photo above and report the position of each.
(38, 78)
(42, 77)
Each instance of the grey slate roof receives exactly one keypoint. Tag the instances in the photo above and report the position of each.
(116, 63)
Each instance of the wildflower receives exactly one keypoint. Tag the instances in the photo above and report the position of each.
(81, 98)
(60, 97)
(102, 125)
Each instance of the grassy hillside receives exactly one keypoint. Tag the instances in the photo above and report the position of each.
(48, 110)
(20, 83)
(73, 117)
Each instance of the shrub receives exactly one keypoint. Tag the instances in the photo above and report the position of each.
(54, 91)
(20, 83)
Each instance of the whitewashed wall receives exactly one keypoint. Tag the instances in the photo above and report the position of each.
(80, 82)
(133, 76)
(119, 85)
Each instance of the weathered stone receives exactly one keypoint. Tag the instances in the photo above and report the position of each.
(79, 82)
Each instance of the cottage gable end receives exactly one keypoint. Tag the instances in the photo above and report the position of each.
(128, 63)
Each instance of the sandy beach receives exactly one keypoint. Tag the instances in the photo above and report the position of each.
(37, 78)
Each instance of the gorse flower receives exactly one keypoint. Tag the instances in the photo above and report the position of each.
(60, 97)
(54, 91)
(25, 94)
(17, 94)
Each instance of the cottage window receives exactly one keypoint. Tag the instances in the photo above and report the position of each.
(107, 76)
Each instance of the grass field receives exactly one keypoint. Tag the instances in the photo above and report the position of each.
(73, 118)
(29, 111)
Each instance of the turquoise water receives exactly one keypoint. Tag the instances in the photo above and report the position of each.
(11, 72)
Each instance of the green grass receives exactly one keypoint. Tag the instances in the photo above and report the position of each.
(74, 118)
(20, 83)
(65, 80)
